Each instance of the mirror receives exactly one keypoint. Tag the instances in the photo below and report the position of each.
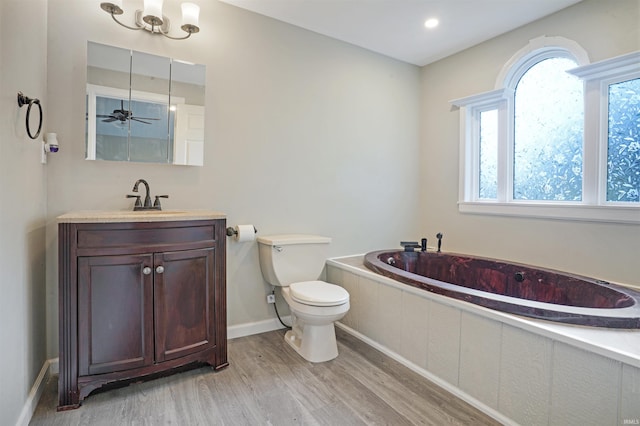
(143, 107)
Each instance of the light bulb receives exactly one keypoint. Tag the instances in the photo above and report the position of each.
(152, 13)
(431, 23)
(190, 14)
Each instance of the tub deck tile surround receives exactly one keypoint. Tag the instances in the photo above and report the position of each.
(415, 322)
(525, 358)
(389, 316)
(600, 375)
(516, 369)
(630, 393)
(443, 345)
(480, 357)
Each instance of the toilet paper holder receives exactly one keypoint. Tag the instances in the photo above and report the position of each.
(231, 231)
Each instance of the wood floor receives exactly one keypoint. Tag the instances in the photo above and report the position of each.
(267, 383)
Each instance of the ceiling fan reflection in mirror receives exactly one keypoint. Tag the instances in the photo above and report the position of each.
(123, 115)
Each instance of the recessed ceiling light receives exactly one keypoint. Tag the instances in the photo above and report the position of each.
(431, 23)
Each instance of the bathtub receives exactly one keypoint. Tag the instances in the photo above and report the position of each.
(513, 288)
(517, 369)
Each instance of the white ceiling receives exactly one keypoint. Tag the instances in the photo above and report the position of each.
(395, 28)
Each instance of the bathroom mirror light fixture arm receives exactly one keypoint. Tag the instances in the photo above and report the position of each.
(190, 29)
(114, 9)
(152, 20)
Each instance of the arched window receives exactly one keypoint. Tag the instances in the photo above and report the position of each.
(537, 145)
(548, 123)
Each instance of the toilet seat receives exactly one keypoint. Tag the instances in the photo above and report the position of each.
(318, 293)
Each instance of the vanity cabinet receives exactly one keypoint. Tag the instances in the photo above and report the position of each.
(138, 300)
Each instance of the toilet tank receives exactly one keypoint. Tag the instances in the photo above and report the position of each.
(290, 258)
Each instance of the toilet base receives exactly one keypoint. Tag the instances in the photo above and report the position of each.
(315, 343)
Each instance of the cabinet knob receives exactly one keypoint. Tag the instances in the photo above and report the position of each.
(146, 270)
(160, 269)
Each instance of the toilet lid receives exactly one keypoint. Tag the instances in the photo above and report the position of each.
(318, 293)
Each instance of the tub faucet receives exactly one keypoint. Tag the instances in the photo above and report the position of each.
(410, 245)
(439, 237)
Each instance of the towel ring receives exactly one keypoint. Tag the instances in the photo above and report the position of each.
(24, 100)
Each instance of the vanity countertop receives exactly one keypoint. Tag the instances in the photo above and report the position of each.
(107, 216)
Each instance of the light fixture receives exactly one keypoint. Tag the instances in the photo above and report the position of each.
(431, 23)
(150, 18)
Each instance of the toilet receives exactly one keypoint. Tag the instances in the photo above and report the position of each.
(294, 263)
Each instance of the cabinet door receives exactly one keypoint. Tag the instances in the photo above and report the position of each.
(115, 313)
(184, 302)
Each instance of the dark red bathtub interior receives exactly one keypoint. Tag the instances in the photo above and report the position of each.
(510, 279)
(513, 288)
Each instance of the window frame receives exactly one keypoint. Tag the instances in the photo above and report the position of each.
(596, 79)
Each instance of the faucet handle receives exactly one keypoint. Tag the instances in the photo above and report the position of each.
(138, 203)
(157, 202)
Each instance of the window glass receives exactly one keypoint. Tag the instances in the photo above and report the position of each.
(112, 134)
(548, 128)
(488, 188)
(623, 153)
(134, 130)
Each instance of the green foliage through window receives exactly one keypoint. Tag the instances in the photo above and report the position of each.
(489, 154)
(623, 158)
(548, 129)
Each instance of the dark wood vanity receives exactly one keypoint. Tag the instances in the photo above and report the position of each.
(140, 294)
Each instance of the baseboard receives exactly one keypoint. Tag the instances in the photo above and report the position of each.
(429, 376)
(54, 366)
(257, 327)
(49, 367)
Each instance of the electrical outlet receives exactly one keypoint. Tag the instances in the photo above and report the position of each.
(271, 298)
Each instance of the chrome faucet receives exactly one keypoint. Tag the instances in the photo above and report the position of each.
(147, 199)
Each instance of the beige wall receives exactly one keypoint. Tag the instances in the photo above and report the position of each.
(22, 204)
(303, 134)
(604, 250)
